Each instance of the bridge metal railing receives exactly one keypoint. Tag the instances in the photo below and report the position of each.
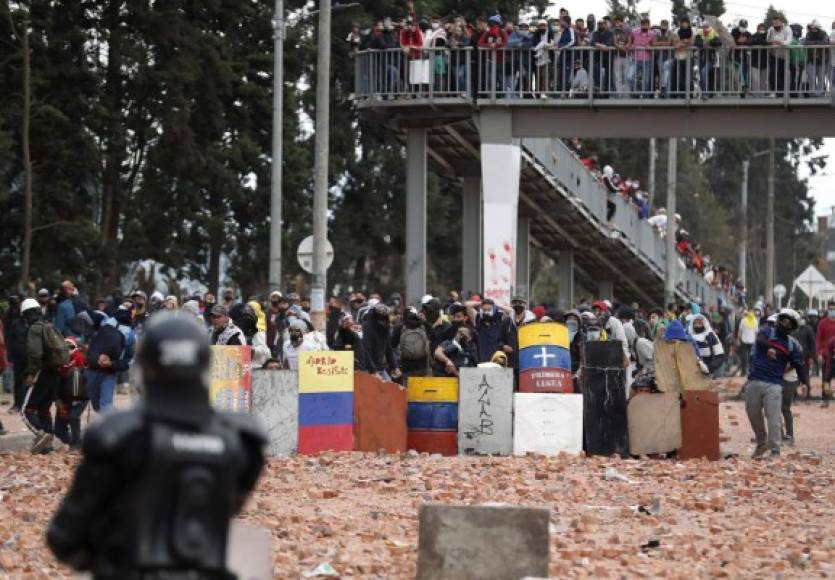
(591, 197)
(587, 74)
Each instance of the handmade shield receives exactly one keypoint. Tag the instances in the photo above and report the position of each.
(654, 421)
(545, 369)
(604, 399)
(485, 412)
(379, 414)
(275, 401)
(700, 425)
(547, 423)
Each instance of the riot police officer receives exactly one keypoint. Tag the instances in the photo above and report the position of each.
(158, 484)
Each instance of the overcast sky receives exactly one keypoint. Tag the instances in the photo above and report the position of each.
(822, 185)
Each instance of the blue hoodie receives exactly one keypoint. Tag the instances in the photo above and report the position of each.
(789, 352)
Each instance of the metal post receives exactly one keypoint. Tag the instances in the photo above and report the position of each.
(769, 231)
(322, 148)
(415, 213)
(651, 177)
(743, 225)
(277, 153)
(670, 278)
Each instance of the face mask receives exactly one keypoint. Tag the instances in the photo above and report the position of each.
(572, 330)
(555, 28)
(743, 29)
(593, 336)
(830, 313)
(436, 25)
(487, 312)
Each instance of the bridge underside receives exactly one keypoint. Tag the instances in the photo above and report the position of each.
(560, 227)
(631, 118)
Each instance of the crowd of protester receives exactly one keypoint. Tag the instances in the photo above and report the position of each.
(57, 350)
(567, 56)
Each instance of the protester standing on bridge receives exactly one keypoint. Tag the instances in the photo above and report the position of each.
(542, 40)
(708, 42)
(774, 351)
(779, 35)
(683, 41)
(620, 40)
(601, 41)
(816, 63)
(741, 54)
(640, 41)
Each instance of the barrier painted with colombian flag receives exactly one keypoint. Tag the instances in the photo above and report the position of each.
(326, 401)
(544, 359)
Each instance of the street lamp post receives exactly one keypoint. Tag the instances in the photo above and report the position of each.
(277, 152)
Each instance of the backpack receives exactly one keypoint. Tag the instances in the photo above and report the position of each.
(56, 353)
(74, 386)
(413, 344)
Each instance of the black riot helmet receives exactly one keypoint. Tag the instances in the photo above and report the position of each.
(174, 357)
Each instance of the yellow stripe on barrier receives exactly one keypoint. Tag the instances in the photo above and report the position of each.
(543, 334)
(326, 372)
(433, 389)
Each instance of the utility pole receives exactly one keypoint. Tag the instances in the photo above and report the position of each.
(743, 225)
(651, 177)
(769, 231)
(320, 169)
(670, 239)
(277, 151)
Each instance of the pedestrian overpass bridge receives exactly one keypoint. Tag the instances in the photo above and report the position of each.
(483, 120)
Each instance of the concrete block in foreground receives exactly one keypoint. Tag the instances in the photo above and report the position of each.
(482, 542)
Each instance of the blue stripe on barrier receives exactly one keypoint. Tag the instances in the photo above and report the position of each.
(433, 416)
(544, 357)
(336, 408)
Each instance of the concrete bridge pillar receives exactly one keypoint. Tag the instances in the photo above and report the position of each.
(471, 231)
(415, 213)
(501, 163)
(565, 273)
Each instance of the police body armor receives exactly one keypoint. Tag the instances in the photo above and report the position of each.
(158, 484)
(173, 489)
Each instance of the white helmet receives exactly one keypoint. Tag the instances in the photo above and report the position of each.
(28, 304)
(791, 315)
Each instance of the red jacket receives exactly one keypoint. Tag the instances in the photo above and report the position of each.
(413, 41)
(826, 332)
(498, 35)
